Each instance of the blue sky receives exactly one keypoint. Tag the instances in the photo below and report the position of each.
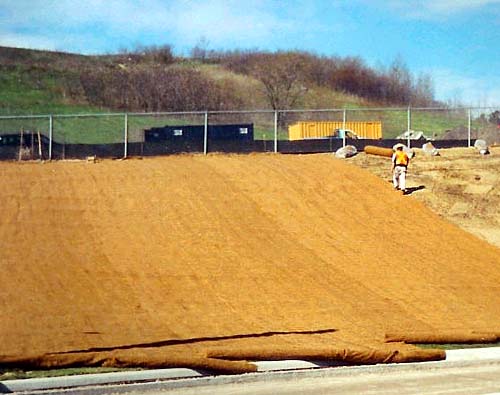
(455, 41)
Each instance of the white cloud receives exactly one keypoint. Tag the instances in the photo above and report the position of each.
(26, 41)
(221, 22)
(455, 87)
(447, 6)
(125, 15)
(432, 9)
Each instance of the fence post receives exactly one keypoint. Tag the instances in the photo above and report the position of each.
(51, 126)
(344, 118)
(275, 131)
(408, 126)
(205, 134)
(125, 145)
(21, 144)
(469, 121)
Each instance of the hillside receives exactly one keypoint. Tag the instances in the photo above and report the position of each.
(212, 261)
(42, 82)
(36, 82)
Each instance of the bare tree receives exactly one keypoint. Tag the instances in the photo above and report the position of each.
(143, 81)
(282, 77)
(400, 81)
(494, 118)
(151, 88)
(200, 50)
(423, 91)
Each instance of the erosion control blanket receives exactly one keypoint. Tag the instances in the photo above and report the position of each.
(216, 261)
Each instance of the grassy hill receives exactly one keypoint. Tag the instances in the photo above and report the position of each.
(36, 82)
(33, 82)
(40, 82)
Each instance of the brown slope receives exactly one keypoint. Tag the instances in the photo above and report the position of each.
(459, 184)
(162, 262)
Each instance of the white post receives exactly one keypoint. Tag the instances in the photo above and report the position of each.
(125, 145)
(469, 122)
(275, 131)
(344, 118)
(21, 143)
(39, 144)
(408, 126)
(205, 134)
(50, 136)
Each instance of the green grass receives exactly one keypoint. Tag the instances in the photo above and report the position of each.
(394, 122)
(14, 374)
(436, 123)
(260, 133)
(103, 128)
(99, 129)
(32, 92)
(26, 91)
(35, 91)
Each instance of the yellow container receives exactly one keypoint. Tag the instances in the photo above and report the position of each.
(312, 130)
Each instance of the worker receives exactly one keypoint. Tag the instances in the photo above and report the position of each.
(400, 162)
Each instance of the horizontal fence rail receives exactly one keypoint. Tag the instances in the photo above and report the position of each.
(120, 135)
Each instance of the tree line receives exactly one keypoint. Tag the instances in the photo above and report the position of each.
(152, 79)
(287, 75)
(154, 88)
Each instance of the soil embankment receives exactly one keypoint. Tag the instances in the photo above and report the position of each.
(460, 185)
(214, 261)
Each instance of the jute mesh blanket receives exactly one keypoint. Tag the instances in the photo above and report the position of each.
(217, 261)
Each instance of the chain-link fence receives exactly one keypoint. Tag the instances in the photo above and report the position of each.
(292, 131)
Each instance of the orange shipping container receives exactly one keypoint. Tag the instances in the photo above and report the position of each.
(321, 129)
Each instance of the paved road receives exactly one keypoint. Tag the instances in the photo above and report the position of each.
(466, 371)
(480, 379)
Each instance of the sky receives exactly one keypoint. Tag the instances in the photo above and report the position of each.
(456, 42)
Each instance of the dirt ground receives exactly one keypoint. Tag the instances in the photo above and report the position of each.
(460, 185)
(214, 261)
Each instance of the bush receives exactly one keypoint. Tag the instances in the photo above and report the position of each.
(156, 88)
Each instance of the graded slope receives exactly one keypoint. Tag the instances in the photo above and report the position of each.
(196, 260)
(459, 184)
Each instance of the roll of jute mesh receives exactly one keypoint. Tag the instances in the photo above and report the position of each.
(380, 151)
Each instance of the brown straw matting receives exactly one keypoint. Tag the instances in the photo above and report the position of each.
(215, 261)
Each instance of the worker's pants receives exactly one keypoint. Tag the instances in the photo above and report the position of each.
(399, 177)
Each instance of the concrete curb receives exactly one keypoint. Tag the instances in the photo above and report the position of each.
(469, 354)
(176, 378)
(83, 380)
